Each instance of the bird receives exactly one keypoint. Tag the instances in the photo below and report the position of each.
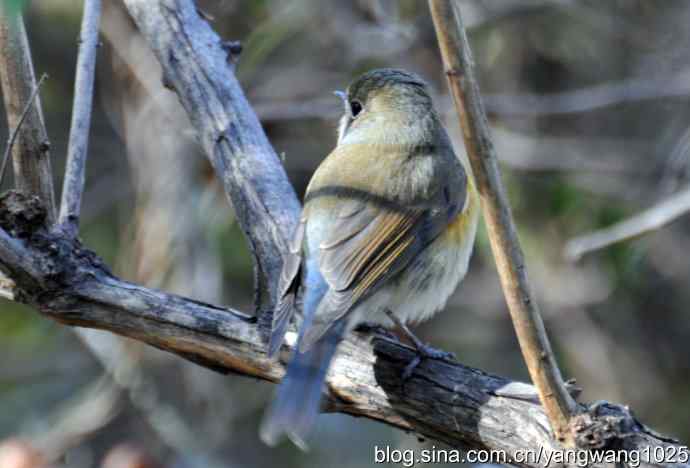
(386, 233)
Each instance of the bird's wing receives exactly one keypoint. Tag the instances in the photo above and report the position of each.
(288, 284)
(364, 247)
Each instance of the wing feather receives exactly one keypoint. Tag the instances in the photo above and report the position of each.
(355, 268)
(288, 285)
(373, 236)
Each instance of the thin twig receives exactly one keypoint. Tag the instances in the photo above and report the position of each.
(459, 67)
(590, 97)
(15, 132)
(73, 185)
(122, 364)
(647, 221)
(79, 418)
(451, 403)
(31, 151)
(584, 99)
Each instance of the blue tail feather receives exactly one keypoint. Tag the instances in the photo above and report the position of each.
(297, 404)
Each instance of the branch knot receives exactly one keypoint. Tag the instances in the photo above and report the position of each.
(605, 426)
(63, 260)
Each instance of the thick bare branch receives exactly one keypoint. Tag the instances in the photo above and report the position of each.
(449, 402)
(648, 220)
(77, 149)
(31, 153)
(53, 273)
(459, 68)
(19, 262)
(195, 63)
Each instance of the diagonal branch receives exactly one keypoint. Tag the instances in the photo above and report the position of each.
(445, 401)
(642, 223)
(448, 402)
(77, 149)
(31, 154)
(198, 65)
(590, 97)
(536, 349)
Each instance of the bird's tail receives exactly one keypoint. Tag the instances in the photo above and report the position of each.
(297, 403)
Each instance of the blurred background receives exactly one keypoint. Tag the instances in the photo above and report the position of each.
(588, 101)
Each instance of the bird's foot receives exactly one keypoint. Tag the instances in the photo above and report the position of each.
(424, 351)
(373, 328)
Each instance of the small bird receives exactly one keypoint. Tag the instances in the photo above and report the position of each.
(386, 233)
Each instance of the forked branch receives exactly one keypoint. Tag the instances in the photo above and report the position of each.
(56, 275)
(448, 402)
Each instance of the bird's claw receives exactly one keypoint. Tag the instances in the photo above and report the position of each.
(372, 328)
(424, 351)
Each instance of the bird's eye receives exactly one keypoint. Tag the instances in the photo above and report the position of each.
(356, 108)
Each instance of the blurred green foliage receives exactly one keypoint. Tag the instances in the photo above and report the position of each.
(13, 7)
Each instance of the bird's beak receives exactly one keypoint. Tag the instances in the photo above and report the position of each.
(341, 94)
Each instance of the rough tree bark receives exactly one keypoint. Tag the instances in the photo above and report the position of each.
(198, 66)
(449, 402)
(31, 153)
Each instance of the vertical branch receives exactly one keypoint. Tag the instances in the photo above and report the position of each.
(458, 63)
(31, 153)
(73, 185)
(13, 133)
